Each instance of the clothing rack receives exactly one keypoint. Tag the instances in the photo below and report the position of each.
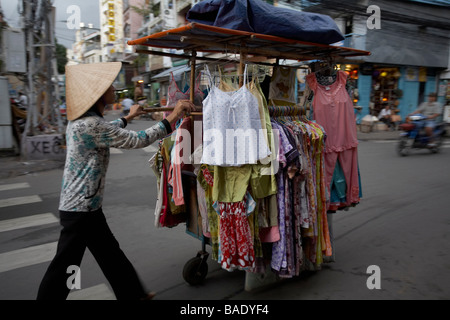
(281, 111)
(255, 48)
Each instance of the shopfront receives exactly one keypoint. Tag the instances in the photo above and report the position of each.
(402, 87)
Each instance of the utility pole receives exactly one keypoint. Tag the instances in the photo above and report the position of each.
(42, 87)
(28, 6)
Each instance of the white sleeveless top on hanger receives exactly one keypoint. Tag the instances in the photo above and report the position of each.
(232, 130)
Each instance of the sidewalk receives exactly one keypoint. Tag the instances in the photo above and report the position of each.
(12, 166)
(378, 135)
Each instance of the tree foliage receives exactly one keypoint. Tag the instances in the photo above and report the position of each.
(61, 58)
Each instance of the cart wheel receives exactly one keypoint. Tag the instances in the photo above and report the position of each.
(195, 270)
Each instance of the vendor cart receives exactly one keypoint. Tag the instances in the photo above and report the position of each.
(240, 47)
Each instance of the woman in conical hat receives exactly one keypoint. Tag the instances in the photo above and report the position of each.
(89, 136)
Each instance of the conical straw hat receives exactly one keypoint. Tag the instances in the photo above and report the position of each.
(86, 83)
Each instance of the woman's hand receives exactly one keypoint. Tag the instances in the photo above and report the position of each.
(135, 110)
(181, 107)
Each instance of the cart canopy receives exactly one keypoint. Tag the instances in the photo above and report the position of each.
(260, 17)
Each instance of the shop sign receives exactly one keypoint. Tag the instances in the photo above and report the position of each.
(412, 74)
(422, 74)
(50, 146)
(111, 22)
(447, 114)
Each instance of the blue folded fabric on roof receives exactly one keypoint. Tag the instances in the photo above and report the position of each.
(259, 17)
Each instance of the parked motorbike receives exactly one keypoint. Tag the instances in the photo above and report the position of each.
(414, 136)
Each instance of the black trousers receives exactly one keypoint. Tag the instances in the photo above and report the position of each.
(89, 230)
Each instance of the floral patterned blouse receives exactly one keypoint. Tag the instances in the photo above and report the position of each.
(88, 141)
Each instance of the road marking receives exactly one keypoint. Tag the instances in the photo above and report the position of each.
(19, 200)
(115, 150)
(27, 257)
(14, 186)
(150, 148)
(99, 292)
(25, 222)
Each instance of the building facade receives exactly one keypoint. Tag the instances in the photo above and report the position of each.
(408, 41)
(112, 30)
(87, 46)
(409, 47)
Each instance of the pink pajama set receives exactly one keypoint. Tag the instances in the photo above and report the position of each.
(333, 110)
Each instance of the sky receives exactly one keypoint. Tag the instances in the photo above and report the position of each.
(89, 13)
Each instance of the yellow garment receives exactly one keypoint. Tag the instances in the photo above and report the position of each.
(230, 183)
(213, 217)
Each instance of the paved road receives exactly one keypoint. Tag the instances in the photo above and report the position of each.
(401, 226)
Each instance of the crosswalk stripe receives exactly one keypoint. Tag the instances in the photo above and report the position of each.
(28, 256)
(25, 222)
(19, 200)
(98, 292)
(150, 148)
(115, 150)
(14, 186)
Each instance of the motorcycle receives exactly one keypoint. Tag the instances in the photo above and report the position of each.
(414, 136)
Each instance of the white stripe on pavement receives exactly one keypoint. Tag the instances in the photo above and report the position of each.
(19, 200)
(99, 292)
(150, 148)
(28, 256)
(13, 186)
(115, 150)
(25, 222)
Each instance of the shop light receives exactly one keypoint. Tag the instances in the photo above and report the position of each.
(383, 74)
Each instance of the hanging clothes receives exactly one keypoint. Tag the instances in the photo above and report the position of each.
(236, 250)
(282, 86)
(206, 180)
(333, 109)
(174, 94)
(167, 213)
(301, 198)
(179, 160)
(226, 114)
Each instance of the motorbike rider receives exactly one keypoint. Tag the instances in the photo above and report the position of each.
(432, 110)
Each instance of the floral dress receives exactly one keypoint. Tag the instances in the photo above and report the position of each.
(236, 250)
